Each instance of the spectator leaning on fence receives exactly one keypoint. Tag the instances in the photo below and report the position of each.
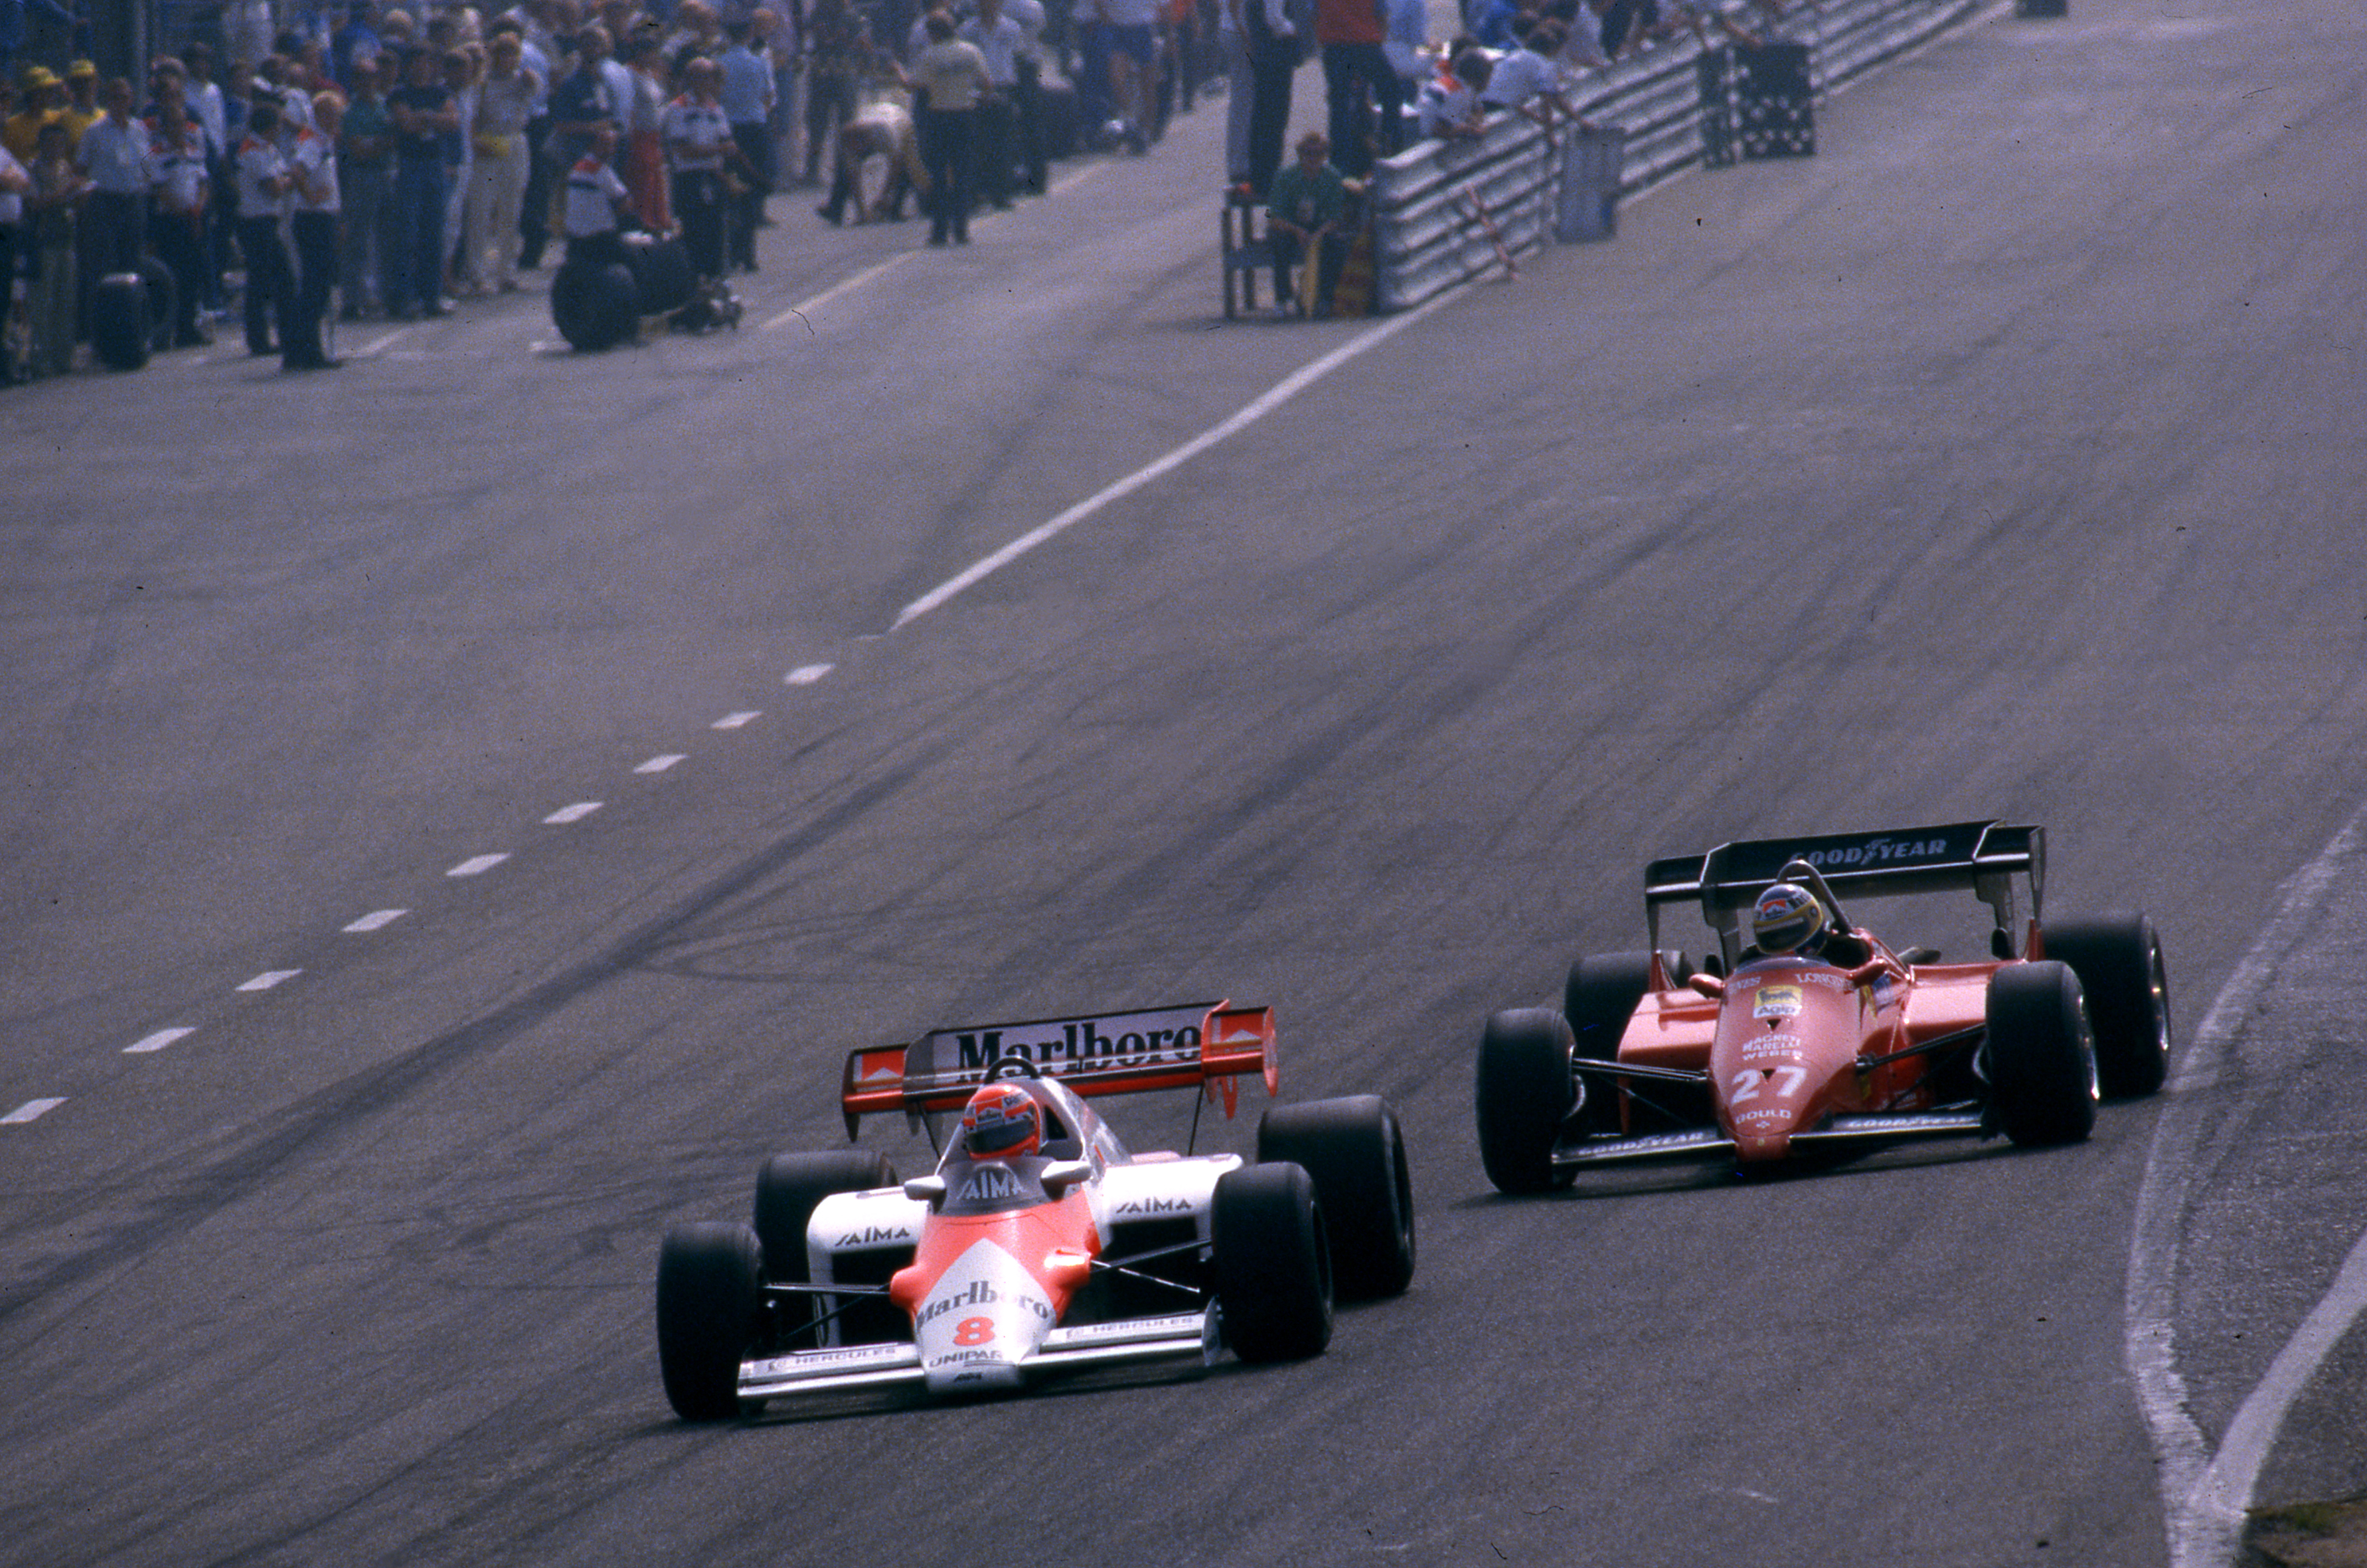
(1449, 107)
(1529, 81)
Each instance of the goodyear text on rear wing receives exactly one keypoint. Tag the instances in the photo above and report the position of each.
(1201, 1044)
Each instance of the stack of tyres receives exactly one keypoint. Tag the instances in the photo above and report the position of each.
(1716, 70)
(1776, 116)
(120, 329)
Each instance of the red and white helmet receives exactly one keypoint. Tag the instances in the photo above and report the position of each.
(1787, 919)
(1002, 1121)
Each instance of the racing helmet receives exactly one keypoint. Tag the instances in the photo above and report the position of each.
(1787, 919)
(1002, 1121)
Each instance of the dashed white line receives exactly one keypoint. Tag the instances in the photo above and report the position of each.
(477, 865)
(660, 765)
(377, 921)
(269, 978)
(31, 1111)
(157, 1041)
(738, 720)
(575, 813)
(807, 674)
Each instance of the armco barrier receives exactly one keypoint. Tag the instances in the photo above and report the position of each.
(1425, 238)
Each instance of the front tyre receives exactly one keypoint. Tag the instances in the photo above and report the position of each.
(1354, 1152)
(1272, 1269)
(2118, 960)
(1522, 1096)
(709, 1287)
(2041, 1054)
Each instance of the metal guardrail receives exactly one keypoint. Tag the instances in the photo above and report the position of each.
(1426, 234)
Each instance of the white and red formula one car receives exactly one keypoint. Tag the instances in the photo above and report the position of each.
(1040, 1243)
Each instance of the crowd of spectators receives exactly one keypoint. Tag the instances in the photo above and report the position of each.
(313, 155)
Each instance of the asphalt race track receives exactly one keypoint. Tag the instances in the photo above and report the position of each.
(2001, 461)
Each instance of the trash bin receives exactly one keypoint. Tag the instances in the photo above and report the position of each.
(1586, 206)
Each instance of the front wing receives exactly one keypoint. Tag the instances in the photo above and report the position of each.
(876, 1366)
(1707, 1142)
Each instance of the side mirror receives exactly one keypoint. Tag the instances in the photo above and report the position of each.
(1061, 1175)
(1707, 985)
(929, 1190)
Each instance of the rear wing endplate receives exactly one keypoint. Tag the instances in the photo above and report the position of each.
(1206, 1046)
(1983, 857)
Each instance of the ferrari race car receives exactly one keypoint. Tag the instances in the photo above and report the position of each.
(1806, 1037)
(1040, 1243)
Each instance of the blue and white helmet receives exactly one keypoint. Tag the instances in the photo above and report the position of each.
(1787, 919)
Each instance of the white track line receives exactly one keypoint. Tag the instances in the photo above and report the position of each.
(1287, 388)
(156, 1042)
(31, 1111)
(269, 979)
(2205, 1494)
(477, 865)
(807, 674)
(660, 765)
(376, 920)
(738, 720)
(575, 813)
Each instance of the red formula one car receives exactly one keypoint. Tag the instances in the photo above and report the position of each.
(1804, 1035)
(1040, 1243)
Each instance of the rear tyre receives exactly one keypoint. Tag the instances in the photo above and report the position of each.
(1523, 1094)
(1272, 1269)
(1599, 999)
(1354, 1152)
(2040, 1053)
(709, 1292)
(789, 1188)
(2118, 960)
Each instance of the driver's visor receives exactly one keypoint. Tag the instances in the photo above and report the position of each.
(1003, 1135)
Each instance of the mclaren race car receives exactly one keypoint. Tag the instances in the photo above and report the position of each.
(1806, 1036)
(1039, 1243)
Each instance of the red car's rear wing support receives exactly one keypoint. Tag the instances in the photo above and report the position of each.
(1208, 1046)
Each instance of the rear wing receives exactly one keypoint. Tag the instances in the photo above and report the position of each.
(1983, 857)
(1205, 1045)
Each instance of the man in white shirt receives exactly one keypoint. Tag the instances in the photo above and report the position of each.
(1003, 40)
(113, 154)
(312, 166)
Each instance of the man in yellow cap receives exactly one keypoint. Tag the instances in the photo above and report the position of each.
(41, 91)
(81, 85)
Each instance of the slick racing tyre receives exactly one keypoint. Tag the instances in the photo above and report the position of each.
(662, 274)
(789, 1188)
(1522, 1096)
(1273, 1267)
(594, 307)
(119, 320)
(2118, 960)
(1354, 1152)
(1599, 999)
(2041, 1054)
(709, 1292)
